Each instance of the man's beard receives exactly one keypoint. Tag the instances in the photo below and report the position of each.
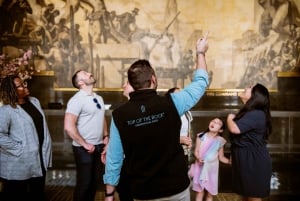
(91, 82)
(94, 82)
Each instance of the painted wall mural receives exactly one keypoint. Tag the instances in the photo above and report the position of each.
(250, 41)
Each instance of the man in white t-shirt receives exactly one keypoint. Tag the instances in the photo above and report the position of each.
(85, 123)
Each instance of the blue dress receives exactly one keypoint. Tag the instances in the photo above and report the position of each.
(251, 162)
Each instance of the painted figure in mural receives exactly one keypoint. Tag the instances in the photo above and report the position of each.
(42, 35)
(297, 47)
(18, 15)
(279, 16)
(287, 15)
(187, 60)
(97, 21)
(15, 18)
(63, 34)
(209, 150)
(287, 56)
(51, 25)
(16, 12)
(168, 44)
(85, 123)
(48, 11)
(249, 131)
(102, 23)
(148, 162)
(128, 22)
(107, 27)
(266, 17)
(57, 60)
(138, 36)
(26, 149)
(277, 50)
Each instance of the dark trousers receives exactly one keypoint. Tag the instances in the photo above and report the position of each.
(89, 170)
(32, 189)
(123, 188)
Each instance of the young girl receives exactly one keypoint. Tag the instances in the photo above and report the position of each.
(208, 151)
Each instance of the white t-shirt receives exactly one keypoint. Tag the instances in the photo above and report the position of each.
(186, 123)
(90, 118)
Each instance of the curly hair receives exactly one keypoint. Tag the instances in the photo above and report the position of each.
(8, 91)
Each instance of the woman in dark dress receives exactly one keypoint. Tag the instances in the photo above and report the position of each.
(250, 128)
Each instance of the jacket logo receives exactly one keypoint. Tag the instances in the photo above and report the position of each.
(150, 119)
(143, 108)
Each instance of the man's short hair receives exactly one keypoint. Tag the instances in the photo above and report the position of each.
(140, 74)
(75, 80)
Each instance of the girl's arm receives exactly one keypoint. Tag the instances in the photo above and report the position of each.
(222, 157)
(197, 150)
(197, 147)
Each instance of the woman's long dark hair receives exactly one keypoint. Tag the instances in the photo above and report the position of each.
(8, 91)
(259, 100)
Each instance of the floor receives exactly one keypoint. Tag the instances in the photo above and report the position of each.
(285, 182)
(64, 193)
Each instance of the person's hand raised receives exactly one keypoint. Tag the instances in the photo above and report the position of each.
(202, 44)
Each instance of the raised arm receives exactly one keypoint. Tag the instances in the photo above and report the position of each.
(201, 49)
(186, 98)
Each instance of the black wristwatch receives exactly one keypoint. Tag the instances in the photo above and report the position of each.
(109, 194)
(200, 52)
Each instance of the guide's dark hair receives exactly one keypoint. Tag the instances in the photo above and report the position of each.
(140, 74)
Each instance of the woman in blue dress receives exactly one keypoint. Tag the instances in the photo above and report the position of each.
(250, 128)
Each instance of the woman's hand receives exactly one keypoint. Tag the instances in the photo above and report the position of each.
(230, 116)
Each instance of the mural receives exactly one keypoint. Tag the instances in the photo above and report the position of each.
(274, 48)
(250, 41)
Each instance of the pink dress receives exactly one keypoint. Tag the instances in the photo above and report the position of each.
(205, 175)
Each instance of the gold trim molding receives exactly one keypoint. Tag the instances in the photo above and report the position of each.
(208, 92)
(288, 74)
(44, 73)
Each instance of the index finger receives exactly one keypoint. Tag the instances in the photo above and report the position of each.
(206, 35)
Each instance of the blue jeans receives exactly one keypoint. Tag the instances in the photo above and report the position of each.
(89, 170)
